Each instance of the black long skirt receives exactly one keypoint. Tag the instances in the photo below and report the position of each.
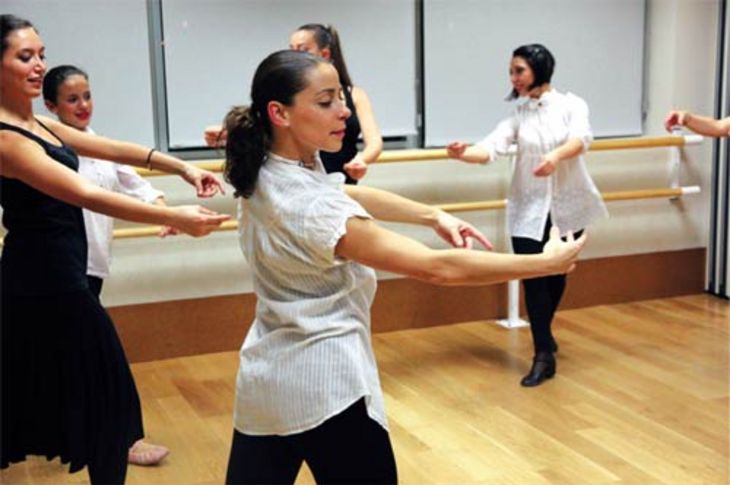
(67, 390)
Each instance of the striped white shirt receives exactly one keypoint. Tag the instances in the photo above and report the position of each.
(308, 355)
(538, 126)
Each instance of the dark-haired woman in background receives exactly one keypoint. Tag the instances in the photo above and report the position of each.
(550, 185)
(66, 387)
(308, 386)
(324, 41)
(67, 94)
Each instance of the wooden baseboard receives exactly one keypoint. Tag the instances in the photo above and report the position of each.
(164, 330)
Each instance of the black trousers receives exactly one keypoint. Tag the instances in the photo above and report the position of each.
(542, 295)
(347, 448)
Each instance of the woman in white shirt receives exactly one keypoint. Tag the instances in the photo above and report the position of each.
(550, 186)
(307, 387)
(67, 94)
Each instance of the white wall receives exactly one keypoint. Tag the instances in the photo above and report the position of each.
(81, 33)
(680, 73)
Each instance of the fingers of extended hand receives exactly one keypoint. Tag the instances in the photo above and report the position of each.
(554, 232)
(472, 233)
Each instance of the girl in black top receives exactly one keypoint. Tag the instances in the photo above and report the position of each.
(324, 41)
(67, 389)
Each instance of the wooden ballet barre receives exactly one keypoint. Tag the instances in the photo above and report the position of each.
(148, 231)
(426, 154)
(457, 207)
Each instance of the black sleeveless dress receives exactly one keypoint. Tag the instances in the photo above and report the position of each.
(67, 389)
(333, 162)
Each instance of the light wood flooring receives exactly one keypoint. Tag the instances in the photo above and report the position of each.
(641, 396)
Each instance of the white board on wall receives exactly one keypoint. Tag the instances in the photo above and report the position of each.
(598, 46)
(212, 49)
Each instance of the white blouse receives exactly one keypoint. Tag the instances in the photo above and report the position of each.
(569, 195)
(308, 355)
(99, 227)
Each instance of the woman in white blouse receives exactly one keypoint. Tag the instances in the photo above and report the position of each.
(67, 94)
(307, 387)
(550, 187)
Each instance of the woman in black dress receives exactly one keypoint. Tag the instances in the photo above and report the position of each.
(67, 389)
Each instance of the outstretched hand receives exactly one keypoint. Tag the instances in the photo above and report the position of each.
(206, 183)
(356, 168)
(456, 149)
(196, 220)
(458, 233)
(675, 118)
(215, 136)
(563, 254)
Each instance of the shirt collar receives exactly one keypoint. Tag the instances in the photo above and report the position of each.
(545, 99)
(317, 166)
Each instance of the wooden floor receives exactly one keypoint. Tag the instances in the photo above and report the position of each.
(641, 396)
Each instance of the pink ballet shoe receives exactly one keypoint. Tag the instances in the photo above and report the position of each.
(146, 454)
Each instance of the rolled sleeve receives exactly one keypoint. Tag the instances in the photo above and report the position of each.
(326, 223)
(578, 123)
(132, 184)
(500, 139)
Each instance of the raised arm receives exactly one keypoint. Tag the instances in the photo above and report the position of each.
(702, 125)
(27, 161)
(372, 139)
(95, 146)
(379, 248)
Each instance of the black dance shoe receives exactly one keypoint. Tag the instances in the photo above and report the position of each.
(543, 367)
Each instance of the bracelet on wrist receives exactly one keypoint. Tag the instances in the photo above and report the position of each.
(148, 161)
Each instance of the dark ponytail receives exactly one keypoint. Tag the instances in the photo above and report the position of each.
(326, 36)
(248, 142)
(279, 77)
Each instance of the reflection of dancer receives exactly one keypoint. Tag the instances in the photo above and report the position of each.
(67, 94)
(550, 185)
(702, 125)
(308, 388)
(67, 390)
(324, 41)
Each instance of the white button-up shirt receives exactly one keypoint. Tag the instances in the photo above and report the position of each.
(569, 195)
(99, 227)
(308, 355)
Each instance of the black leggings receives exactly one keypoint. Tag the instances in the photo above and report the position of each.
(347, 448)
(542, 295)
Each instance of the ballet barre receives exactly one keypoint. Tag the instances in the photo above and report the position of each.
(147, 231)
(434, 154)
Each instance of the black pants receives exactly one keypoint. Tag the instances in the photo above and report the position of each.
(347, 448)
(95, 284)
(542, 295)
